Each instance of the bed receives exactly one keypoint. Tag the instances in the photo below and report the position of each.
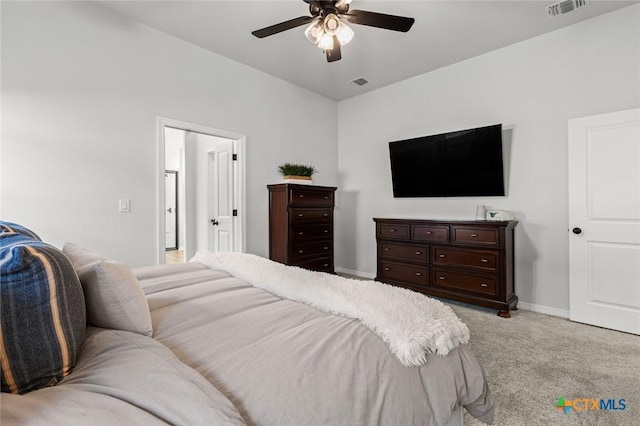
(225, 351)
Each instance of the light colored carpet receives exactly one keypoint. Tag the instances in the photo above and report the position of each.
(533, 359)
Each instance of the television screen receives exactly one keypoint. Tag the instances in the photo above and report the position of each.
(466, 163)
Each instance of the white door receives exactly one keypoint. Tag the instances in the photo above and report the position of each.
(170, 206)
(604, 220)
(221, 191)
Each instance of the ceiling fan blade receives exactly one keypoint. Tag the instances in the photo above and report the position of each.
(282, 26)
(334, 54)
(379, 20)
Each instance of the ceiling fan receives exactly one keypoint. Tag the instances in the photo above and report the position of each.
(328, 27)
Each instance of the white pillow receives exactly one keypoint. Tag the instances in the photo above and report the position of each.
(112, 293)
(80, 256)
(114, 298)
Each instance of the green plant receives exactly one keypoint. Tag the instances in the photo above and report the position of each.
(288, 169)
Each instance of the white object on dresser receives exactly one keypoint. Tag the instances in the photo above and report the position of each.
(500, 215)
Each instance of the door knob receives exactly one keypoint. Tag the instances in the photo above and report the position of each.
(576, 231)
(169, 210)
(215, 222)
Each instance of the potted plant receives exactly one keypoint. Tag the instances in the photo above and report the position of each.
(297, 173)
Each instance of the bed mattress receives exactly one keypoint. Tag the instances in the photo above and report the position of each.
(286, 363)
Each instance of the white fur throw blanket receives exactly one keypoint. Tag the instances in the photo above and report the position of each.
(410, 323)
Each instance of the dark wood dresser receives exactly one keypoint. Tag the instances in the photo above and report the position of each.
(301, 225)
(467, 261)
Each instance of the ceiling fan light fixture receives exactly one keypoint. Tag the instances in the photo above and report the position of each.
(315, 31)
(332, 24)
(345, 34)
(328, 27)
(326, 42)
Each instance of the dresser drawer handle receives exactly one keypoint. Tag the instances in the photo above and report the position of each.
(326, 265)
(387, 269)
(418, 274)
(392, 230)
(300, 215)
(300, 251)
(484, 260)
(429, 232)
(301, 196)
(442, 278)
(442, 255)
(326, 231)
(300, 233)
(474, 235)
(326, 248)
(386, 249)
(418, 252)
(326, 197)
(325, 214)
(484, 285)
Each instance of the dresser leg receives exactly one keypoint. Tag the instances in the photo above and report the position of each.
(504, 313)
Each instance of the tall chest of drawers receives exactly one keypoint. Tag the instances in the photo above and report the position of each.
(467, 261)
(301, 225)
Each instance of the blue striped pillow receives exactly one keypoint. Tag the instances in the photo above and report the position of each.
(43, 317)
(18, 229)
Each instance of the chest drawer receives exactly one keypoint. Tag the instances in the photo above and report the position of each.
(305, 197)
(486, 260)
(475, 236)
(430, 233)
(313, 232)
(455, 281)
(324, 264)
(299, 215)
(414, 274)
(393, 231)
(404, 252)
(316, 249)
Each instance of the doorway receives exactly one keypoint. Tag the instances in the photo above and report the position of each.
(204, 199)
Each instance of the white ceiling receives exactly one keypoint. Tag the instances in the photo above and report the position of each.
(444, 32)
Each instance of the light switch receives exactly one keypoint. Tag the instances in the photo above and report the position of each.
(124, 205)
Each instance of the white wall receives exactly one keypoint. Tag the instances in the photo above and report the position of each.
(532, 88)
(82, 88)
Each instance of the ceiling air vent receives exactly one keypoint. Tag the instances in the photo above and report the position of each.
(566, 6)
(360, 81)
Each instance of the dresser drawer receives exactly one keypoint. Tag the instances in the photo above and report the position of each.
(393, 231)
(430, 233)
(307, 250)
(306, 197)
(404, 252)
(402, 272)
(324, 264)
(486, 260)
(311, 215)
(455, 281)
(313, 232)
(475, 236)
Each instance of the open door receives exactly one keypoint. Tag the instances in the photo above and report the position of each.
(221, 205)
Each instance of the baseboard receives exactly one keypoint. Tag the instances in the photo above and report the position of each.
(562, 313)
(355, 273)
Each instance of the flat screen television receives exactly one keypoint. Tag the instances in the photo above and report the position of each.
(466, 163)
